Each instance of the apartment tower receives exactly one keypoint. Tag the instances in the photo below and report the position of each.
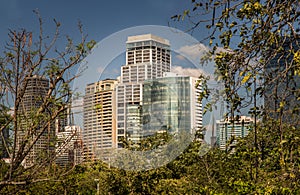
(99, 119)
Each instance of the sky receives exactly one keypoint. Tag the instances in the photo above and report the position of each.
(102, 21)
(100, 18)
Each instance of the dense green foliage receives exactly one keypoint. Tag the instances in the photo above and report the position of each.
(217, 172)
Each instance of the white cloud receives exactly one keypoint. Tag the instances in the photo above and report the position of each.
(196, 51)
(180, 57)
(193, 72)
(193, 52)
(116, 71)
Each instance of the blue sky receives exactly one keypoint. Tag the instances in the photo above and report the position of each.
(100, 18)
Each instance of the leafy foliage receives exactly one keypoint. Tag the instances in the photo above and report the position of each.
(217, 172)
(26, 56)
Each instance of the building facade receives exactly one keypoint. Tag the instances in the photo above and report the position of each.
(226, 130)
(35, 93)
(69, 146)
(99, 125)
(147, 57)
(4, 140)
(171, 104)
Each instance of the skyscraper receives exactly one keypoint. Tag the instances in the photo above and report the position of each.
(35, 93)
(99, 116)
(147, 57)
(226, 129)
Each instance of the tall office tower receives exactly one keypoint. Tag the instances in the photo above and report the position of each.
(171, 104)
(226, 130)
(69, 146)
(147, 57)
(35, 92)
(282, 92)
(98, 114)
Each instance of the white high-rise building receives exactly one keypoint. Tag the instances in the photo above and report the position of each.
(147, 57)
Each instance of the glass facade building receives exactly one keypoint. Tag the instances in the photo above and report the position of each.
(171, 104)
(69, 146)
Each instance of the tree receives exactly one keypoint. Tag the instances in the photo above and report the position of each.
(252, 40)
(35, 64)
(255, 47)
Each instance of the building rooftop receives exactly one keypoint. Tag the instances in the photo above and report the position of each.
(147, 37)
(241, 118)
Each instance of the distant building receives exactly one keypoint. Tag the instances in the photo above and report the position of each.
(226, 129)
(283, 91)
(99, 126)
(35, 93)
(147, 57)
(4, 139)
(134, 122)
(63, 121)
(69, 146)
(171, 104)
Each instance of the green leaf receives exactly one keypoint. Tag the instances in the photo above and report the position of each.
(246, 78)
(283, 141)
(185, 13)
(281, 104)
